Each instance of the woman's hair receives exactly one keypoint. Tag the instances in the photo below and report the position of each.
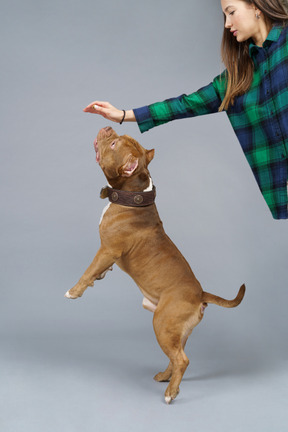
(235, 55)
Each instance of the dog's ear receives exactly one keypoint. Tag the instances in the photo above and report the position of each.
(130, 166)
(149, 155)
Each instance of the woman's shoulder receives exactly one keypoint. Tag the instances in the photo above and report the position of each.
(282, 30)
(280, 40)
(284, 27)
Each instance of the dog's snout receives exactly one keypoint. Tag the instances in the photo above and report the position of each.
(105, 132)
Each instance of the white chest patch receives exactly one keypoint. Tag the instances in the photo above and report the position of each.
(105, 208)
(104, 211)
(150, 187)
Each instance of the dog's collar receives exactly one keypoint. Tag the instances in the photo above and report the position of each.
(129, 199)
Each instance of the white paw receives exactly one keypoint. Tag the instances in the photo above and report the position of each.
(168, 399)
(68, 295)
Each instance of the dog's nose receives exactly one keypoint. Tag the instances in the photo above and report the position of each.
(105, 132)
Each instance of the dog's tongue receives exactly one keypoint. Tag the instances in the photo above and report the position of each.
(97, 151)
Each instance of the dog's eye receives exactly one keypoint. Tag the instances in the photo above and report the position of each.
(113, 144)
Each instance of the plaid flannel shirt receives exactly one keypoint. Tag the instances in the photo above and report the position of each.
(259, 117)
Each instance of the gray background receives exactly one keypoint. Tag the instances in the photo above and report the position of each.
(88, 364)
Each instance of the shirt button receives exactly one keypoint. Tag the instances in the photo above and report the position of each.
(267, 92)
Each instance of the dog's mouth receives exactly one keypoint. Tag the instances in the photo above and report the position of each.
(103, 133)
(97, 151)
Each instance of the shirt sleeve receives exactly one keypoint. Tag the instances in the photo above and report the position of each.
(206, 100)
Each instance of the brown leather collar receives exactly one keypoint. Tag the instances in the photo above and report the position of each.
(130, 199)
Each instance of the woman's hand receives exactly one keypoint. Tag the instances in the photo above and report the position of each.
(109, 112)
(105, 109)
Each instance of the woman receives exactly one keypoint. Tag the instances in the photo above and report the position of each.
(253, 91)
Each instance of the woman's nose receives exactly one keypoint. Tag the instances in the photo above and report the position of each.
(228, 23)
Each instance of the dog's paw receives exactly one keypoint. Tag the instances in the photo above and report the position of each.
(162, 376)
(71, 295)
(168, 399)
(170, 395)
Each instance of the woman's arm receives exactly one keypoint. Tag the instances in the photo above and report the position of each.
(206, 100)
(109, 112)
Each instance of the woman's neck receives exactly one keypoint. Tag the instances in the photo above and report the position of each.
(262, 33)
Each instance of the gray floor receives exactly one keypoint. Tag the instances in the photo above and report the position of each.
(103, 381)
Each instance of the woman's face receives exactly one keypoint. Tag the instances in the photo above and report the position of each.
(241, 19)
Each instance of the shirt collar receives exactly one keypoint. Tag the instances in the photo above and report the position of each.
(273, 36)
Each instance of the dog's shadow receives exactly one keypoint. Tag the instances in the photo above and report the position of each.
(135, 358)
(207, 376)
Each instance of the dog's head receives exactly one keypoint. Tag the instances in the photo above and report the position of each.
(120, 157)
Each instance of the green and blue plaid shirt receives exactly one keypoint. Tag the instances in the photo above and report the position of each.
(259, 117)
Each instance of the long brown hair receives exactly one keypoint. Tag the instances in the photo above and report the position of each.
(235, 55)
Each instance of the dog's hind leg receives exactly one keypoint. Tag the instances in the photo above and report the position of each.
(172, 329)
(166, 375)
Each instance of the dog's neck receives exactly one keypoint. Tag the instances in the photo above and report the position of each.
(148, 189)
(135, 183)
(129, 198)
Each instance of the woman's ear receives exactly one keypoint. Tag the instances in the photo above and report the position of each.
(257, 11)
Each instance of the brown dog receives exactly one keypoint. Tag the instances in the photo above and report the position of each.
(132, 236)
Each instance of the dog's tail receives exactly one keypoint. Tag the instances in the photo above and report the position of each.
(211, 298)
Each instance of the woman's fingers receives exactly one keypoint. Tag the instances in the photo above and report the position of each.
(105, 109)
(96, 105)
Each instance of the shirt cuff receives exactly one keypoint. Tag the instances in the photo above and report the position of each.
(143, 118)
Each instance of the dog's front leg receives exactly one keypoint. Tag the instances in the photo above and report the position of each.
(102, 263)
